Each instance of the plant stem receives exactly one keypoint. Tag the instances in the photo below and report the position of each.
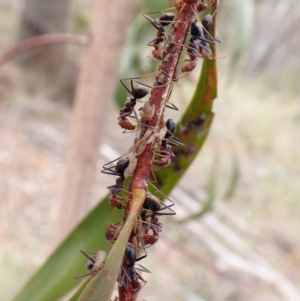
(43, 40)
(160, 91)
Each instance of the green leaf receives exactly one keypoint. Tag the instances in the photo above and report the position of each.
(78, 292)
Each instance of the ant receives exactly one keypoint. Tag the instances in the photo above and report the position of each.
(200, 40)
(207, 21)
(165, 147)
(120, 170)
(198, 47)
(129, 279)
(95, 262)
(154, 205)
(160, 24)
(137, 93)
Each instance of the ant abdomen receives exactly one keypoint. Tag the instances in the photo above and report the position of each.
(151, 203)
(196, 29)
(121, 165)
(140, 92)
(130, 253)
(171, 126)
(166, 19)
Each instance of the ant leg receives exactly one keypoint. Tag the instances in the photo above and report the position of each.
(142, 269)
(122, 279)
(160, 11)
(87, 256)
(109, 169)
(81, 276)
(140, 258)
(152, 21)
(174, 141)
(156, 186)
(131, 80)
(165, 206)
(168, 103)
(171, 106)
(155, 42)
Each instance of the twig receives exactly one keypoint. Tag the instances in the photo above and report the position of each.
(43, 40)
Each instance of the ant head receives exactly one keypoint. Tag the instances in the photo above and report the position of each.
(171, 127)
(90, 264)
(151, 203)
(140, 92)
(121, 165)
(166, 19)
(207, 21)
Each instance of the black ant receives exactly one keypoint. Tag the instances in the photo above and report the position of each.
(119, 170)
(129, 279)
(95, 262)
(207, 21)
(150, 222)
(160, 24)
(198, 47)
(137, 93)
(165, 148)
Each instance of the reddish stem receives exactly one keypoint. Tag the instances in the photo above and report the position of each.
(160, 90)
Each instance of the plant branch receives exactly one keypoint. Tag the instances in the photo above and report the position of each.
(160, 90)
(41, 41)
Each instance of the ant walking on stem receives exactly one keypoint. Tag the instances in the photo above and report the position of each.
(200, 40)
(198, 47)
(165, 152)
(137, 93)
(160, 24)
(120, 170)
(151, 224)
(130, 279)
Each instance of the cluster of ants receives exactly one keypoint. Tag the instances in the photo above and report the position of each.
(198, 46)
(147, 228)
